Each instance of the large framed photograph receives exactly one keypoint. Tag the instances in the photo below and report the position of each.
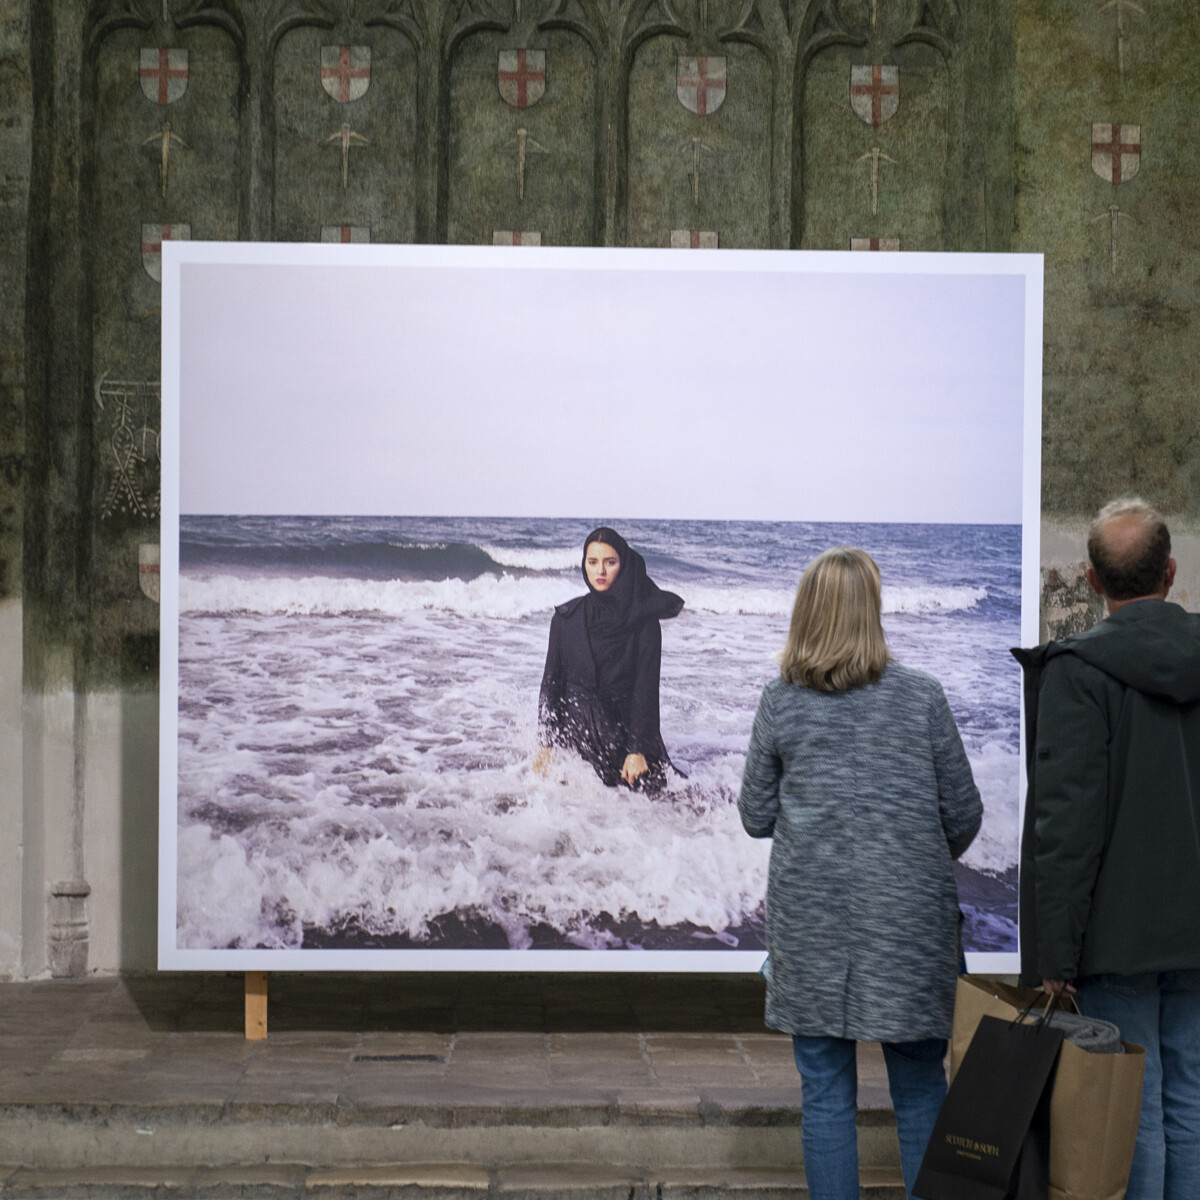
(384, 471)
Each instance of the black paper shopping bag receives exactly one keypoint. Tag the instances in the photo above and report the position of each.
(991, 1137)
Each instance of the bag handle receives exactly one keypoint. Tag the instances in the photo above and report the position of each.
(1042, 1017)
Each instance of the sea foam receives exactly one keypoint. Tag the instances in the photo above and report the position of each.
(503, 597)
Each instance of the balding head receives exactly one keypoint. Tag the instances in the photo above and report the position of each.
(1130, 549)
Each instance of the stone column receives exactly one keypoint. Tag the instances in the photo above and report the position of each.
(57, 515)
(67, 941)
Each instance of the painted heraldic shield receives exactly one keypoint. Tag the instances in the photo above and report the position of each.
(346, 234)
(700, 83)
(1116, 151)
(694, 239)
(164, 74)
(516, 237)
(875, 93)
(521, 76)
(346, 72)
(153, 237)
(148, 570)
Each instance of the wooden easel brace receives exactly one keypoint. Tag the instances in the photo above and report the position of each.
(256, 1005)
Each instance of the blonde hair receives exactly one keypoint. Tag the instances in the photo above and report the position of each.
(836, 639)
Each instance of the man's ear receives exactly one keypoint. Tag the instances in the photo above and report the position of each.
(1169, 577)
(1091, 577)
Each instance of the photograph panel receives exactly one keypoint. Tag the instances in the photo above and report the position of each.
(360, 621)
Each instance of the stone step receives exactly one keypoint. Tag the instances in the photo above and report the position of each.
(630, 1134)
(420, 1181)
(421, 1087)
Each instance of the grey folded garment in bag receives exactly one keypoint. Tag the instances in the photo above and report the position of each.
(1088, 1033)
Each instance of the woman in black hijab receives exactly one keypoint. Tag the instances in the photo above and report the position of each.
(600, 688)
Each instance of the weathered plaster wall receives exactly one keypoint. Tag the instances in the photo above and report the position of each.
(15, 153)
(15, 164)
(989, 148)
(1122, 349)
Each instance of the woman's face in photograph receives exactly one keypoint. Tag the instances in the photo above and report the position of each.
(602, 564)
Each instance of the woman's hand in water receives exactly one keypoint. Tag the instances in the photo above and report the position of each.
(541, 760)
(635, 767)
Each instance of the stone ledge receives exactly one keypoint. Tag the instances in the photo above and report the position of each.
(443, 1176)
(238, 1179)
(544, 1181)
(446, 1108)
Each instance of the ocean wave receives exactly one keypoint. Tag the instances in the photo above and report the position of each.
(503, 597)
(529, 558)
(996, 768)
(400, 847)
(913, 601)
(557, 851)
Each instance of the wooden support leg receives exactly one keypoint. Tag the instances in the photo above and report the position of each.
(256, 1004)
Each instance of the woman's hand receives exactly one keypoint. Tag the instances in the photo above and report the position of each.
(541, 760)
(635, 767)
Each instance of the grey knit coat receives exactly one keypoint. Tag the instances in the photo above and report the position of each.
(868, 796)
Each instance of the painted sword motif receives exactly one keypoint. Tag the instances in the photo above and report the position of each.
(1121, 6)
(695, 147)
(1113, 215)
(347, 137)
(165, 138)
(876, 156)
(525, 145)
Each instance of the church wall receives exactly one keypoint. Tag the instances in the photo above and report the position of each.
(103, 152)
(1122, 351)
(15, 165)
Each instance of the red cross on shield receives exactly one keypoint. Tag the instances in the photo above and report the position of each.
(516, 237)
(153, 237)
(694, 239)
(875, 243)
(521, 76)
(700, 83)
(347, 235)
(149, 570)
(346, 72)
(1116, 151)
(875, 93)
(163, 73)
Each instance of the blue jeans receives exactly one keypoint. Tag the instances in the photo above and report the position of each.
(829, 1083)
(1162, 1013)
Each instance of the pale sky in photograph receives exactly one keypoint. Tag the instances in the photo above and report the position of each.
(656, 384)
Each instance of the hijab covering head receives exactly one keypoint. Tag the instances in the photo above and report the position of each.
(614, 615)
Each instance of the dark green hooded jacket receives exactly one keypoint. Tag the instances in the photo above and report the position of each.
(1110, 850)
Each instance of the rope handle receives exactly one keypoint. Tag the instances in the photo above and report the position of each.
(1042, 1017)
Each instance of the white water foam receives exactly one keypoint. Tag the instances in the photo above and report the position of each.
(530, 559)
(996, 769)
(537, 847)
(504, 597)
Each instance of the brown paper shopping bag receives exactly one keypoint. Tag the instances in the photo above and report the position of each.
(1095, 1104)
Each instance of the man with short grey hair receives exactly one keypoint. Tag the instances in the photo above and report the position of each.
(1110, 855)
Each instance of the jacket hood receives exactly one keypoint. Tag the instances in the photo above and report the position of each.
(1152, 646)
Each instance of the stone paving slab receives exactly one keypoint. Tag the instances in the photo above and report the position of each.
(375, 1074)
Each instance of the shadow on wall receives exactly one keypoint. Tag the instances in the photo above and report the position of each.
(139, 831)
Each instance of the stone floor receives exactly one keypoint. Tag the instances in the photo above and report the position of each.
(376, 1078)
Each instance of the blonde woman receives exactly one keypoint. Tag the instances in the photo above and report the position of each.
(857, 772)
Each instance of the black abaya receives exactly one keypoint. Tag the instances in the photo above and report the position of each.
(599, 692)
